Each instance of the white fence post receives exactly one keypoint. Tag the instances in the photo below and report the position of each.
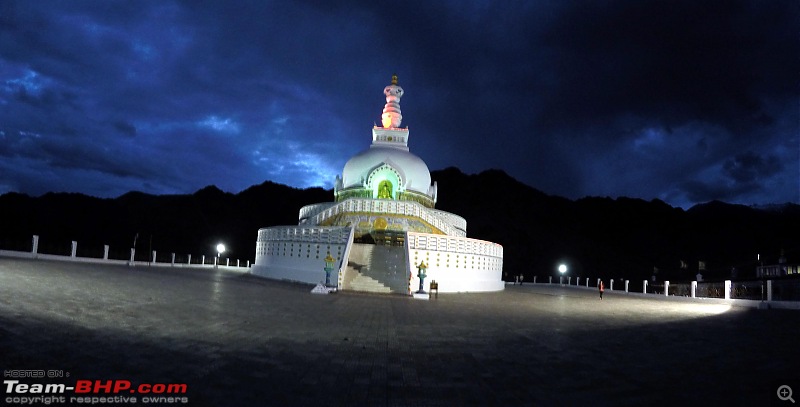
(611, 284)
(577, 281)
(769, 290)
(190, 260)
(228, 261)
(35, 248)
(727, 289)
(173, 259)
(587, 282)
(549, 279)
(203, 260)
(154, 256)
(534, 277)
(569, 280)
(105, 252)
(248, 266)
(237, 262)
(694, 289)
(626, 285)
(133, 252)
(74, 249)
(666, 288)
(644, 286)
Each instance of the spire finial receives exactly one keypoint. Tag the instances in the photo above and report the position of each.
(391, 117)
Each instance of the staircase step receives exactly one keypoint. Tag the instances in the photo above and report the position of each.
(365, 283)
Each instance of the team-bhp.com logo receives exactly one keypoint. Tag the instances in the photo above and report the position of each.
(109, 392)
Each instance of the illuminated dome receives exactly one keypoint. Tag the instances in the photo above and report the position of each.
(387, 170)
(407, 170)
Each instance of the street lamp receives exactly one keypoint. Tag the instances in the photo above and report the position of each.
(220, 250)
(563, 269)
(328, 268)
(421, 275)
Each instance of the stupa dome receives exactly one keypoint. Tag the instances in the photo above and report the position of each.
(378, 162)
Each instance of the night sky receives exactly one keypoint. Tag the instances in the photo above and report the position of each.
(683, 101)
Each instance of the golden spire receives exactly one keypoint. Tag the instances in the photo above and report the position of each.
(394, 79)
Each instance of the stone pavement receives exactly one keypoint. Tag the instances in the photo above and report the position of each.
(243, 341)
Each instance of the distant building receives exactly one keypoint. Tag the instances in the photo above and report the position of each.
(381, 227)
(778, 270)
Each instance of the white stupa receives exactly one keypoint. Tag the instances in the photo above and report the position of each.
(382, 228)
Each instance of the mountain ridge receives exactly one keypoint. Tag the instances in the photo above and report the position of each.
(597, 236)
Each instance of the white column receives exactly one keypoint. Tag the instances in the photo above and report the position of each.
(133, 252)
(769, 290)
(569, 280)
(611, 284)
(203, 260)
(694, 289)
(237, 262)
(534, 277)
(35, 248)
(74, 248)
(549, 279)
(666, 287)
(248, 266)
(190, 260)
(587, 282)
(561, 280)
(644, 286)
(173, 259)
(727, 289)
(154, 256)
(626, 285)
(105, 252)
(227, 261)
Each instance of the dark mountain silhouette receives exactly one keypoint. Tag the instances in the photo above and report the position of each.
(594, 236)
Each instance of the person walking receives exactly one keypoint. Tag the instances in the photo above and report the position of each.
(602, 288)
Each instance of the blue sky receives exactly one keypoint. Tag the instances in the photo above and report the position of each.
(681, 101)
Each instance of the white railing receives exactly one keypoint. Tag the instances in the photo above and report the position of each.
(450, 224)
(319, 234)
(311, 210)
(664, 289)
(454, 244)
(175, 260)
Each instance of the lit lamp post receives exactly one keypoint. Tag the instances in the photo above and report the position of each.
(562, 269)
(421, 274)
(328, 268)
(220, 250)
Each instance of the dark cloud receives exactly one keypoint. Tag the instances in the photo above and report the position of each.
(749, 167)
(125, 128)
(678, 100)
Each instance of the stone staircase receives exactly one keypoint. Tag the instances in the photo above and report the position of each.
(365, 283)
(377, 269)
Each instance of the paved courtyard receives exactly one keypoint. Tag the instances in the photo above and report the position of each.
(236, 340)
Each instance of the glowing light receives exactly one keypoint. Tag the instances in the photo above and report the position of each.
(562, 268)
(220, 248)
(708, 309)
(387, 121)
